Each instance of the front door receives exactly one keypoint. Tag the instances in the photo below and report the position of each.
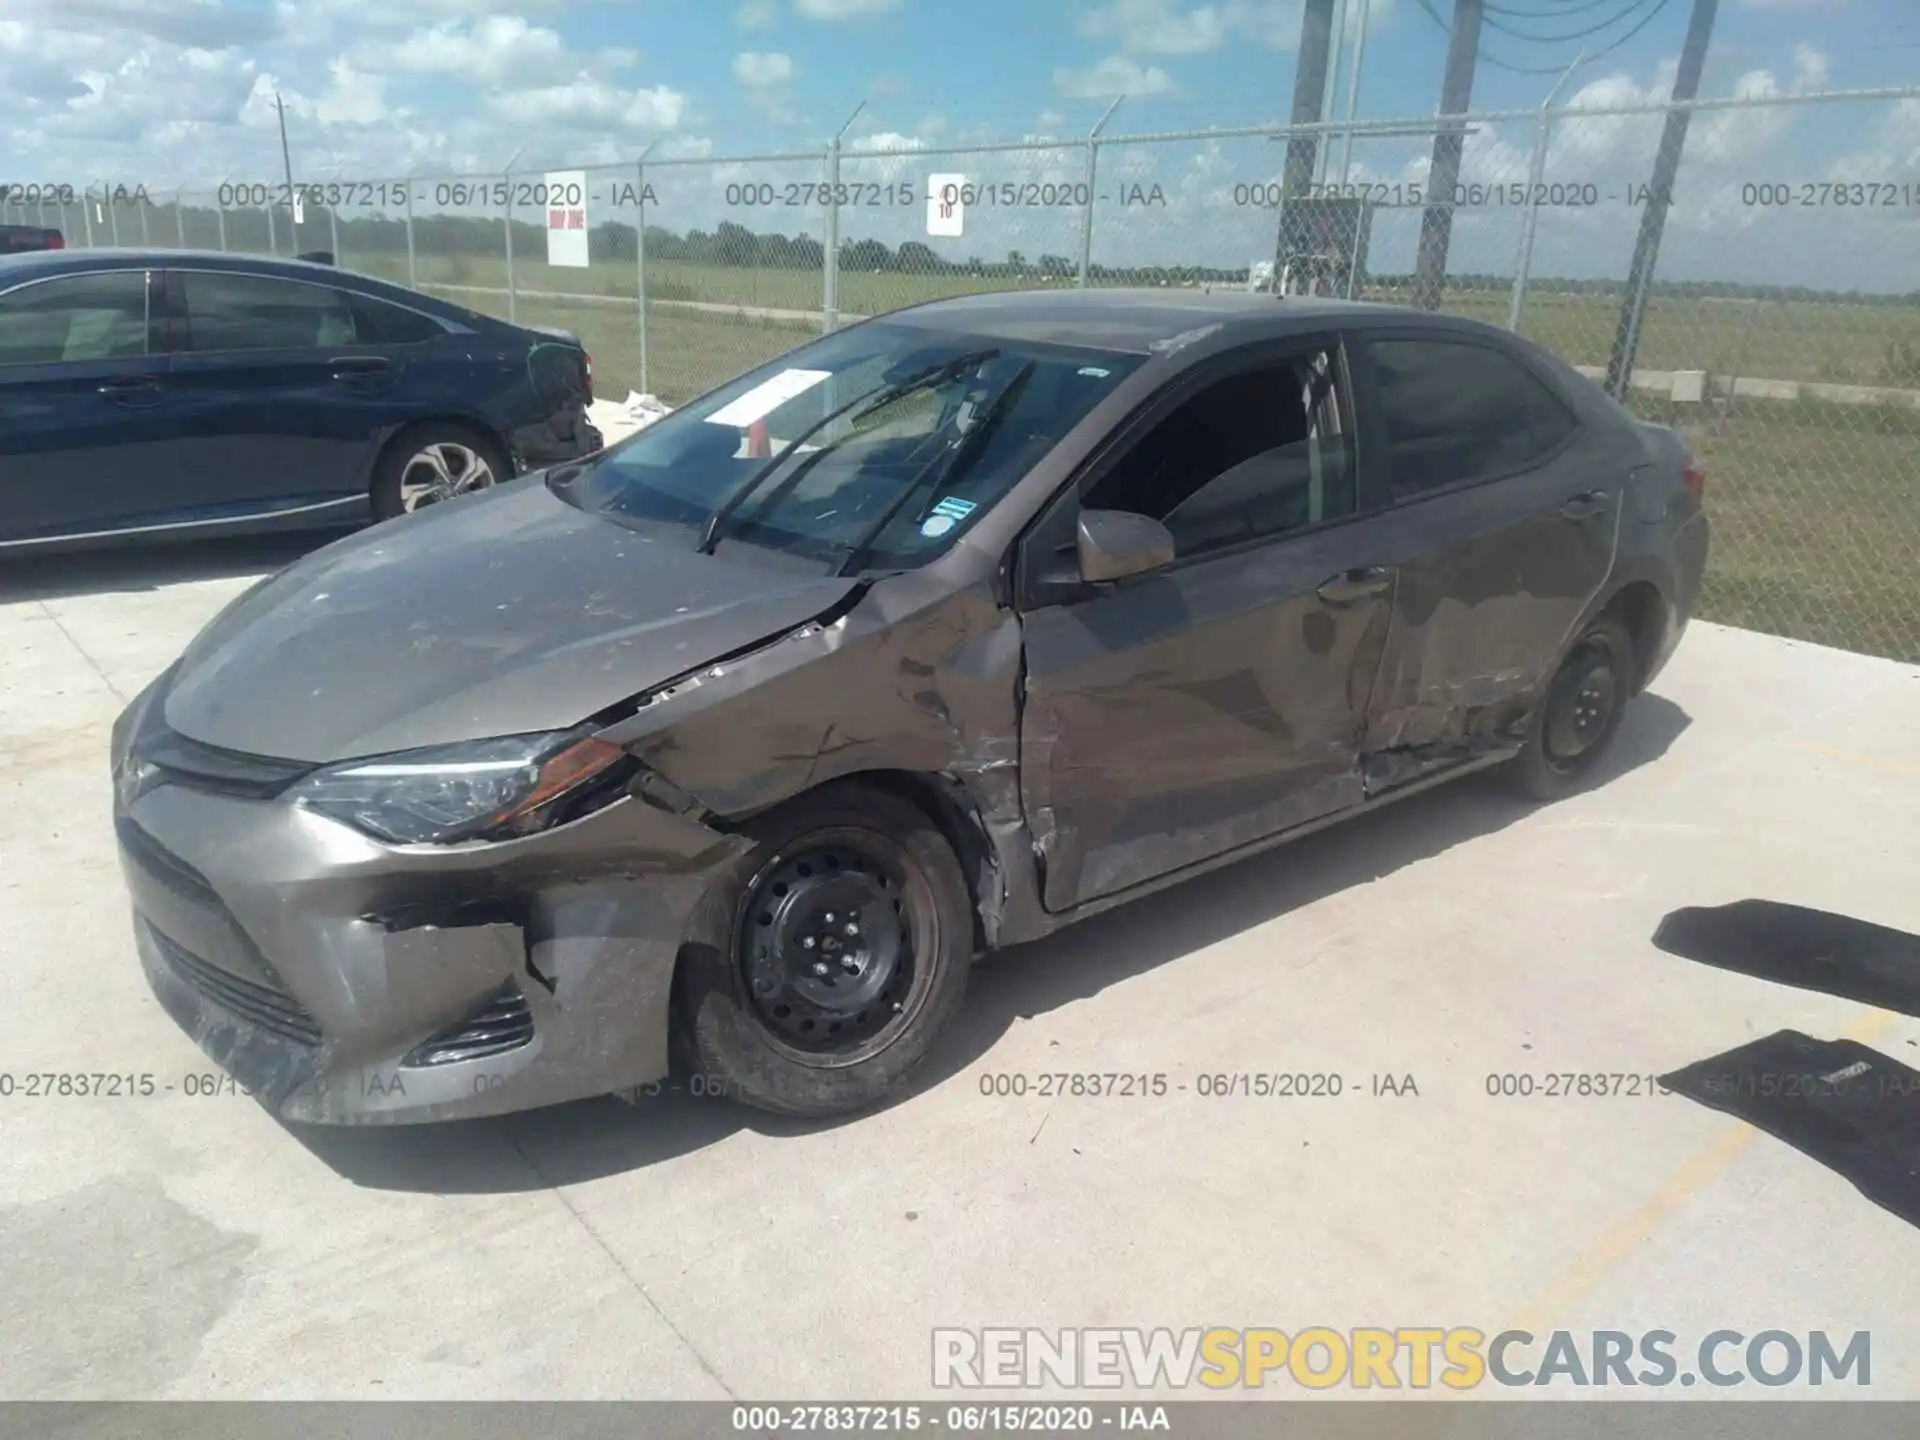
(1503, 519)
(1178, 715)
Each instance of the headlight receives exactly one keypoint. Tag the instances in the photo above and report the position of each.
(487, 789)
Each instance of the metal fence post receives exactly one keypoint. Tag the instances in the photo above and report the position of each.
(180, 216)
(830, 258)
(220, 208)
(273, 232)
(113, 215)
(1543, 130)
(506, 208)
(1086, 213)
(86, 214)
(640, 255)
(333, 223)
(146, 240)
(412, 277)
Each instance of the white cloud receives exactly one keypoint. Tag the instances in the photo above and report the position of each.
(200, 24)
(1165, 27)
(756, 14)
(886, 140)
(1115, 75)
(762, 69)
(587, 103)
(843, 9)
(494, 49)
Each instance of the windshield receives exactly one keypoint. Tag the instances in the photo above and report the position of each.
(877, 445)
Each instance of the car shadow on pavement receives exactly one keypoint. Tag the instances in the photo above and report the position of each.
(131, 568)
(570, 1144)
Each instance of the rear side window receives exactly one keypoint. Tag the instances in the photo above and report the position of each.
(1455, 412)
(375, 322)
(258, 312)
(77, 317)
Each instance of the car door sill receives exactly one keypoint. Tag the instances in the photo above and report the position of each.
(250, 517)
(1484, 761)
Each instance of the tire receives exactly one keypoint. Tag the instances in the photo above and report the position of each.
(407, 478)
(755, 1020)
(1572, 727)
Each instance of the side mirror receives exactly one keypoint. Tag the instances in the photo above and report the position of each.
(1114, 544)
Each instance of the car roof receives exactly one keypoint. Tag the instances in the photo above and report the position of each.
(1146, 320)
(42, 263)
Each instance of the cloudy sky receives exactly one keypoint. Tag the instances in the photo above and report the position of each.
(166, 93)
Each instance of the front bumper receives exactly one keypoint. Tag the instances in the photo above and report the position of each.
(343, 981)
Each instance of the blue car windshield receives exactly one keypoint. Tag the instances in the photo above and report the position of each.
(874, 447)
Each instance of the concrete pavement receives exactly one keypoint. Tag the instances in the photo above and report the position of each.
(187, 1246)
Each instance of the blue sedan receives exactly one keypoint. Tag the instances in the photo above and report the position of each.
(167, 393)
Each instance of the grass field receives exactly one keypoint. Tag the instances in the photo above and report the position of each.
(1775, 339)
(1815, 507)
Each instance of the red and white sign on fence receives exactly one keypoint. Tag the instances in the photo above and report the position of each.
(566, 203)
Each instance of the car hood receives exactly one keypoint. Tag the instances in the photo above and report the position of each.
(502, 613)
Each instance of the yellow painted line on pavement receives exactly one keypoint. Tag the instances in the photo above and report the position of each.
(1872, 761)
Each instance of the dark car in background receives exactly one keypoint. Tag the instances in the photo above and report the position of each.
(165, 393)
(930, 637)
(17, 239)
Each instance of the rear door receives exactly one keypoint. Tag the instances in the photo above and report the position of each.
(87, 432)
(1502, 523)
(281, 402)
(1174, 716)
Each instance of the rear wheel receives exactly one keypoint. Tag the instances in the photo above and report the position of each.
(1574, 725)
(432, 463)
(824, 963)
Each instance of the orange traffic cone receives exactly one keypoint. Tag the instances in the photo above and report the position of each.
(758, 446)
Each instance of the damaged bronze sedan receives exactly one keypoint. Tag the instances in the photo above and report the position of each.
(745, 737)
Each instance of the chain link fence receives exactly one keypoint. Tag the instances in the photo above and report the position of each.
(1780, 332)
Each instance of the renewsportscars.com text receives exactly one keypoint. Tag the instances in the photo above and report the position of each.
(1400, 1358)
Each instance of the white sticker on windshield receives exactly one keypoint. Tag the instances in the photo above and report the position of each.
(1095, 371)
(935, 525)
(766, 397)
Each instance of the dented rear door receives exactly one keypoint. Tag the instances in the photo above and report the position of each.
(1500, 540)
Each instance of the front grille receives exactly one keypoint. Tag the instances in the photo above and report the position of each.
(274, 1011)
(500, 1023)
(181, 761)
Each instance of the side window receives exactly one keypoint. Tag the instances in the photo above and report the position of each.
(1254, 454)
(1455, 412)
(375, 322)
(77, 317)
(258, 312)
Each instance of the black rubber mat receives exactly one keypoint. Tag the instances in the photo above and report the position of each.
(1810, 949)
(1836, 1101)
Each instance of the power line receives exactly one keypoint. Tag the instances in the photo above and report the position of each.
(1593, 29)
(1500, 64)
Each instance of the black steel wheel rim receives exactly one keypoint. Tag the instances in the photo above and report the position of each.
(1581, 705)
(827, 947)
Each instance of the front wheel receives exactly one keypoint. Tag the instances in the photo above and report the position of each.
(826, 960)
(1574, 725)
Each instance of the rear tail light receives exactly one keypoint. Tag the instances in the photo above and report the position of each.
(1694, 476)
(57, 242)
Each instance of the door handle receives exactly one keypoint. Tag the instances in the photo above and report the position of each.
(358, 367)
(1585, 506)
(1351, 585)
(141, 387)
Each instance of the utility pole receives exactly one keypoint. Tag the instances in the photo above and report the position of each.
(1309, 107)
(1443, 175)
(286, 159)
(1653, 219)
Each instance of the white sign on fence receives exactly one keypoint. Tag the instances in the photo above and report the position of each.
(946, 205)
(567, 218)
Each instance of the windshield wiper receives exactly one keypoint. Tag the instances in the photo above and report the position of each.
(863, 404)
(942, 467)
